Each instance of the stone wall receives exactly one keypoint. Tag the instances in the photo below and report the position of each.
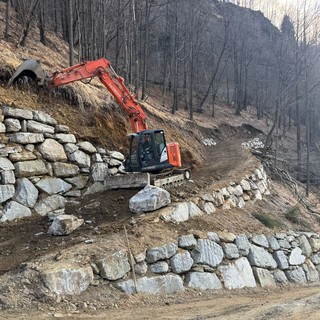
(224, 260)
(214, 261)
(42, 165)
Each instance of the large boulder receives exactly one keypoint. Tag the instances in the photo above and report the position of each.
(114, 265)
(52, 150)
(53, 185)
(50, 204)
(151, 198)
(14, 210)
(207, 252)
(26, 193)
(203, 281)
(66, 278)
(30, 168)
(237, 275)
(167, 284)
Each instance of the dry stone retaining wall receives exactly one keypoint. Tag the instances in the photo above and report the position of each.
(42, 165)
(220, 260)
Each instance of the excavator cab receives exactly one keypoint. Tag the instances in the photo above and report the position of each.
(149, 152)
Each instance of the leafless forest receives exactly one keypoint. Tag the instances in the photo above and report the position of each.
(199, 53)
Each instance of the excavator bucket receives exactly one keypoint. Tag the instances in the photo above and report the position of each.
(30, 68)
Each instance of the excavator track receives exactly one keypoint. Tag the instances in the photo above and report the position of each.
(169, 178)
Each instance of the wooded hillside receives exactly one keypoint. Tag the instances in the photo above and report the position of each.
(199, 52)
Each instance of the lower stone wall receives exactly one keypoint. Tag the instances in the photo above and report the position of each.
(219, 260)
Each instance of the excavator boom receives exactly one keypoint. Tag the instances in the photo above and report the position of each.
(158, 156)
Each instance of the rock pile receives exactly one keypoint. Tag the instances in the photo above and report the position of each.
(42, 165)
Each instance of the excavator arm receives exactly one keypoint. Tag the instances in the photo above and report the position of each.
(102, 69)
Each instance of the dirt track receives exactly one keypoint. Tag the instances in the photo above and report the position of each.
(258, 304)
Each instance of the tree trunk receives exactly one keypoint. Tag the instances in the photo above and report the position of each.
(6, 31)
(71, 53)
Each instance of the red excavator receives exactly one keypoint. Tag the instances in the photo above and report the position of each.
(149, 151)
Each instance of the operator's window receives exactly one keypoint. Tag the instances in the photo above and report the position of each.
(160, 142)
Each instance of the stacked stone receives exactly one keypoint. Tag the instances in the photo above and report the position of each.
(220, 260)
(235, 195)
(42, 165)
(211, 261)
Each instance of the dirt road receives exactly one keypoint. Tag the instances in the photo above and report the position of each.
(289, 303)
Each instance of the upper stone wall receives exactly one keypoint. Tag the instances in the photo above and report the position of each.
(43, 165)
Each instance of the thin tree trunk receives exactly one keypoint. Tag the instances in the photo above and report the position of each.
(6, 31)
(71, 53)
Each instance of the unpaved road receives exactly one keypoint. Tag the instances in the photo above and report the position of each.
(293, 303)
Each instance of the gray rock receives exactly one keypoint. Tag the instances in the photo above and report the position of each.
(263, 277)
(305, 246)
(160, 267)
(6, 164)
(167, 284)
(70, 147)
(245, 185)
(187, 241)
(237, 274)
(207, 252)
(114, 265)
(161, 253)
(116, 155)
(30, 168)
(99, 172)
(63, 170)
(315, 244)
(37, 127)
(208, 197)
(67, 279)
(178, 212)
(261, 258)
(243, 244)
(213, 236)
(14, 210)
(202, 281)
(44, 118)
(181, 262)
(17, 113)
(80, 158)
(226, 236)
(260, 240)
(86, 147)
(238, 191)
(64, 224)
(230, 250)
(52, 150)
(241, 203)
(208, 208)
(12, 125)
(296, 257)
(2, 128)
(49, 204)
(141, 257)
(273, 243)
(8, 177)
(284, 244)
(193, 210)
(65, 138)
(26, 193)
(22, 156)
(141, 268)
(315, 259)
(60, 128)
(96, 157)
(73, 193)
(257, 195)
(279, 276)
(96, 187)
(6, 192)
(281, 259)
(311, 272)
(27, 137)
(296, 275)
(149, 199)
(79, 181)
(218, 199)
(53, 185)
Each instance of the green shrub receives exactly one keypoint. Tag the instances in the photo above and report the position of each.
(269, 221)
(293, 215)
